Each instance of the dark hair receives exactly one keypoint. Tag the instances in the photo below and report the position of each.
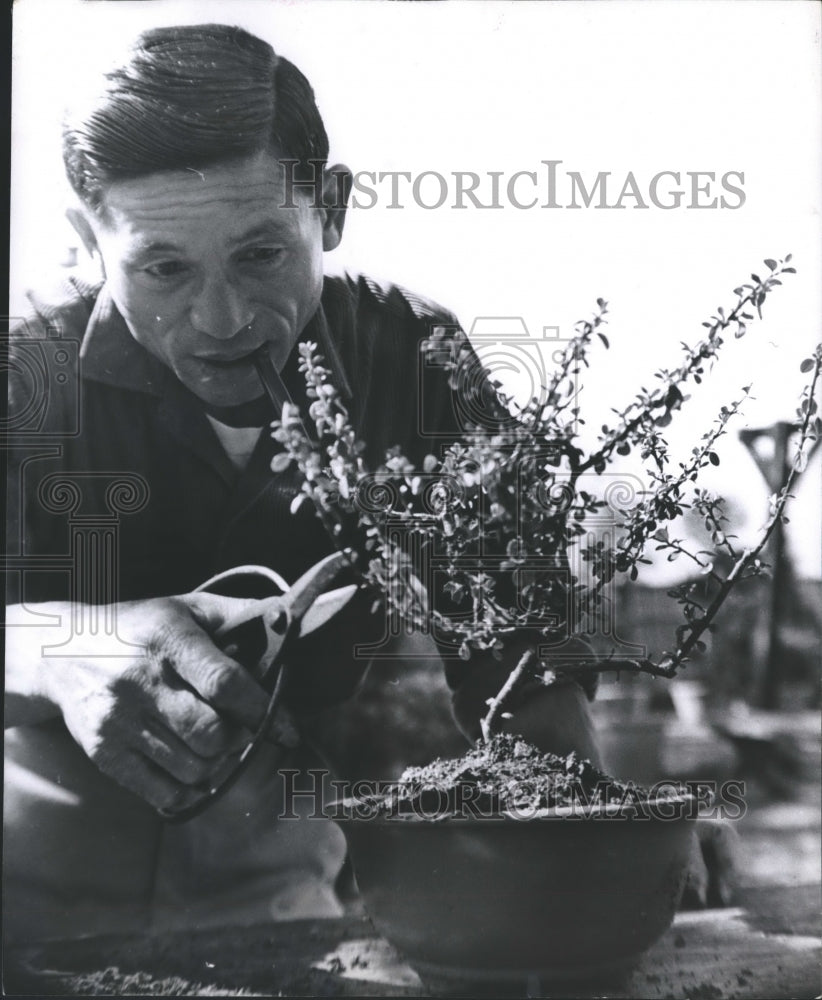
(192, 96)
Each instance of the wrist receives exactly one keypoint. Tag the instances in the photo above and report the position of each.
(32, 676)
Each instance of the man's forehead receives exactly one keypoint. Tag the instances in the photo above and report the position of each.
(255, 192)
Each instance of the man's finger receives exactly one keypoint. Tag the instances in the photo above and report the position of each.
(168, 752)
(213, 611)
(283, 729)
(695, 894)
(719, 844)
(153, 784)
(217, 679)
(199, 727)
(208, 734)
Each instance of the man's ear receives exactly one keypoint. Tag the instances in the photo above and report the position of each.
(79, 220)
(337, 182)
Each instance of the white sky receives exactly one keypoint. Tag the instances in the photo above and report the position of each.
(678, 85)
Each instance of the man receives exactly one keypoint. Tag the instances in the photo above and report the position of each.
(203, 191)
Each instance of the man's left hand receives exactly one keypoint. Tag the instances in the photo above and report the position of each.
(713, 865)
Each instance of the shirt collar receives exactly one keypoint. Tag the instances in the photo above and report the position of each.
(110, 354)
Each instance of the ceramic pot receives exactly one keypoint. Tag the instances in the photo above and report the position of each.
(503, 899)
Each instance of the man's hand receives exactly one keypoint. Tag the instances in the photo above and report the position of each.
(556, 718)
(712, 866)
(159, 708)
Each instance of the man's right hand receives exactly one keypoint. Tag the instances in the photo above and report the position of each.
(158, 707)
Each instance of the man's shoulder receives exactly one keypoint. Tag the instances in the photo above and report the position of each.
(42, 360)
(394, 303)
(60, 310)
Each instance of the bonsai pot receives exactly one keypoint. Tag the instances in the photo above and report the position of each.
(560, 894)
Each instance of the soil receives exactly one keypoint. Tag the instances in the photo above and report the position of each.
(507, 774)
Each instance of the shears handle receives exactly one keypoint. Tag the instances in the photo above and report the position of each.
(244, 636)
(257, 635)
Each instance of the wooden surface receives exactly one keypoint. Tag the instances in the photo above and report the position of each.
(766, 947)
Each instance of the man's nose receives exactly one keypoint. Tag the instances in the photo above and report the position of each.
(219, 309)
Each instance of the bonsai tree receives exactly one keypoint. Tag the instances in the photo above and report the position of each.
(523, 489)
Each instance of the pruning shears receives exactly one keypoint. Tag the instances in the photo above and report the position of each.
(260, 636)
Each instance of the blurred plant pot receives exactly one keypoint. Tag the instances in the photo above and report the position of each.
(498, 899)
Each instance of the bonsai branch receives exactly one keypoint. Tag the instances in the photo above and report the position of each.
(667, 397)
(750, 556)
(496, 704)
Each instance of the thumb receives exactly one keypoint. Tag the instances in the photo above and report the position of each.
(216, 612)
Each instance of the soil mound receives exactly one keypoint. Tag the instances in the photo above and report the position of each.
(505, 775)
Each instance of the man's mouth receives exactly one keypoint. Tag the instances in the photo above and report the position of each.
(232, 361)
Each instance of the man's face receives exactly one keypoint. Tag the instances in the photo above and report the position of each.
(208, 266)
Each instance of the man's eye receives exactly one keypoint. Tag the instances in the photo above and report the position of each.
(261, 255)
(165, 269)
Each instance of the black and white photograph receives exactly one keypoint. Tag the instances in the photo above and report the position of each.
(413, 530)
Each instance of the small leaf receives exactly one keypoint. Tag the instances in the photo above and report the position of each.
(279, 463)
(713, 458)
(770, 263)
(806, 365)
(604, 340)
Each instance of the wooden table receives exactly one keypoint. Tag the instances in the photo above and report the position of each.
(766, 947)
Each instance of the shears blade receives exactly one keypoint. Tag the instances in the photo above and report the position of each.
(325, 607)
